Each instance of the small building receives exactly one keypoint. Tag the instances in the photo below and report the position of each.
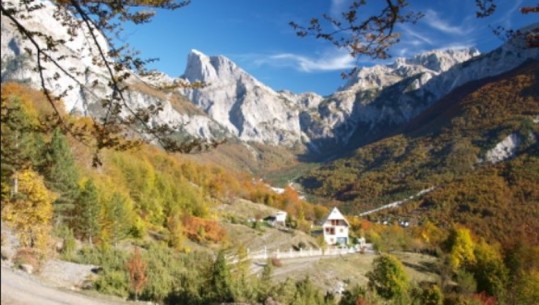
(278, 218)
(335, 228)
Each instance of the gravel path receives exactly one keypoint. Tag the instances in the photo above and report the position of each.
(19, 288)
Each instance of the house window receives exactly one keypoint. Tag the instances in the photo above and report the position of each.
(341, 230)
(334, 222)
(330, 231)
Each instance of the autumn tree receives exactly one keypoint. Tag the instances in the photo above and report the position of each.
(176, 231)
(30, 210)
(489, 270)
(137, 272)
(388, 278)
(460, 247)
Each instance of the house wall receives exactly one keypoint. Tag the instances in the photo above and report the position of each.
(340, 231)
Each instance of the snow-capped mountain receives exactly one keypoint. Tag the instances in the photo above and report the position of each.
(235, 104)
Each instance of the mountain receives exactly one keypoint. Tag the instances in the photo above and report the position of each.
(235, 105)
(247, 108)
(86, 84)
(476, 149)
(374, 100)
(254, 112)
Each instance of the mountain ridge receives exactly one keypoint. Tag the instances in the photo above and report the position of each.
(235, 104)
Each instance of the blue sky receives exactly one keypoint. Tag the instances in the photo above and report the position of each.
(255, 35)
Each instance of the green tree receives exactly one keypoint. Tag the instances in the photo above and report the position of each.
(219, 286)
(20, 144)
(88, 212)
(307, 294)
(162, 265)
(265, 285)
(431, 295)
(388, 278)
(242, 288)
(61, 176)
(176, 234)
(526, 292)
(118, 218)
(489, 270)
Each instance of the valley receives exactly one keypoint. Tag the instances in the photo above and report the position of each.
(123, 187)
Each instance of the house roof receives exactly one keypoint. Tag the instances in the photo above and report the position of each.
(335, 214)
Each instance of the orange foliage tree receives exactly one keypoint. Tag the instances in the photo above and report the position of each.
(137, 272)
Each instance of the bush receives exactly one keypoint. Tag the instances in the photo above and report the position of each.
(275, 262)
(28, 256)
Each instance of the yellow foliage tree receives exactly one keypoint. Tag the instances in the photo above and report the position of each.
(30, 210)
(461, 247)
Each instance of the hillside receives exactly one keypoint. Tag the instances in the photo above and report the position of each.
(441, 147)
(446, 146)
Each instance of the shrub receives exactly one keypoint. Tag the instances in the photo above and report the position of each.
(28, 256)
(275, 262)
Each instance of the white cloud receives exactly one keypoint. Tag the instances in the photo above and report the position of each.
(509, 14)
(420, 38)
(330, 61)
(434, 21)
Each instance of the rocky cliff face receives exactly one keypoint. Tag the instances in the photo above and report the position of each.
(85, 85)
(254, 112)
(247, 108)
(376, 97)
(235, 104)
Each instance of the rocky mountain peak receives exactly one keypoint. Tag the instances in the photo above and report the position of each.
(442, 60)
(431, 62)
(201, 67)
(213, 69)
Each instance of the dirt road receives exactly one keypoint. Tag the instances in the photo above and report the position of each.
(22, 289)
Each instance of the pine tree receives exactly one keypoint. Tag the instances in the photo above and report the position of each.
(20, 144)
(61, 175)
(219, 285)
(86, 220)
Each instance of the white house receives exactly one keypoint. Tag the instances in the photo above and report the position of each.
(335, 228)
(278, 218)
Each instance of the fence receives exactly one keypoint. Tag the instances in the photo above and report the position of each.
(264, 254)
